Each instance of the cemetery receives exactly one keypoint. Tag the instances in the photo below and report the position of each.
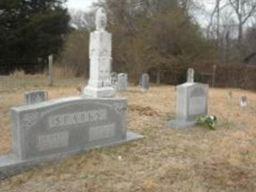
(111, 132)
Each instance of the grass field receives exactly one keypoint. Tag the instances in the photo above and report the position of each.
(166, 160)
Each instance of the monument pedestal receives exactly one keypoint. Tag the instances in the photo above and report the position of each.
(179, 124)
(105, 92)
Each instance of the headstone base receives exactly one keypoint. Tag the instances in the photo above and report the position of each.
(10, 165)
(106, 92)
(179, 124)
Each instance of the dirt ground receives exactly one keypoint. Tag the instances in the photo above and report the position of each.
(168, 160)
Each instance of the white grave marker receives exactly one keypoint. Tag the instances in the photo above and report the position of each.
(192, 102)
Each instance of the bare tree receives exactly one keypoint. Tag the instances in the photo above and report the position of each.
(244, 10)
(83, 20)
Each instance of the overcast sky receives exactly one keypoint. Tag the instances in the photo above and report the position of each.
(80, 4)
(86, 4)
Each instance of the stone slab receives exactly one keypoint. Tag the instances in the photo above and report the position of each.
(10, 165)
(176, 124)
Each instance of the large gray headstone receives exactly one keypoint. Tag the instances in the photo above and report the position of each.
(66, 126)
(34, 97)
(122, 82)
(192, 102)
(145, 80)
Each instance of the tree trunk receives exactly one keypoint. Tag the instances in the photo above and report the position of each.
(240, 34)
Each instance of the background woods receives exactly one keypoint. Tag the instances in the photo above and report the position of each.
(30, 31)
(162, 38)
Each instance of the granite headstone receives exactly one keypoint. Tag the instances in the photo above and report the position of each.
(122, 82)
(35, 97)
(192, 102)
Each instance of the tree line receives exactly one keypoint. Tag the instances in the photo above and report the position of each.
(30, 31)
(161, 37)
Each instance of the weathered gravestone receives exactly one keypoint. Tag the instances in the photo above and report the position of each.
(114, 78)
(192, 102)
(145, 82)
(243, 102)
(122, 82)
(67, 125)
(35, 97)
(54, 129)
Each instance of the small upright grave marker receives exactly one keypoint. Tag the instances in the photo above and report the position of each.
(243, 102)
(34, 97)
(122, 82)
(192, 102)
(145, 82)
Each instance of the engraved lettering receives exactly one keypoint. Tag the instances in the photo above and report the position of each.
(53, 141)
(77, 118)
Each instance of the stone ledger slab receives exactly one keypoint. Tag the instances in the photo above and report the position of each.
(55, 129)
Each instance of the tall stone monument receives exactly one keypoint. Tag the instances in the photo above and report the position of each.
(99, 85)
(192, 102)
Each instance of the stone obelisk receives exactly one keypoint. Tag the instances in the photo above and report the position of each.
(99, 85)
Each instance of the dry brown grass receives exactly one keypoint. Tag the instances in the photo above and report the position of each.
(60, 72)
(165, 160)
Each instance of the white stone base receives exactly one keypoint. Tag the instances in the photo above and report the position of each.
(10, 165)
(106, 92)
(179, 124)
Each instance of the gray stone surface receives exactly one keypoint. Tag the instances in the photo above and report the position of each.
(10, 165)
(34, 97)
(55, 128)
(122, 82)
(145, 82)
(114, 78)
(192, 102)
(100, 49)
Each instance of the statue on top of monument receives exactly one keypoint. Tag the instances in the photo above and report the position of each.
(190, 75)
(101, 19)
